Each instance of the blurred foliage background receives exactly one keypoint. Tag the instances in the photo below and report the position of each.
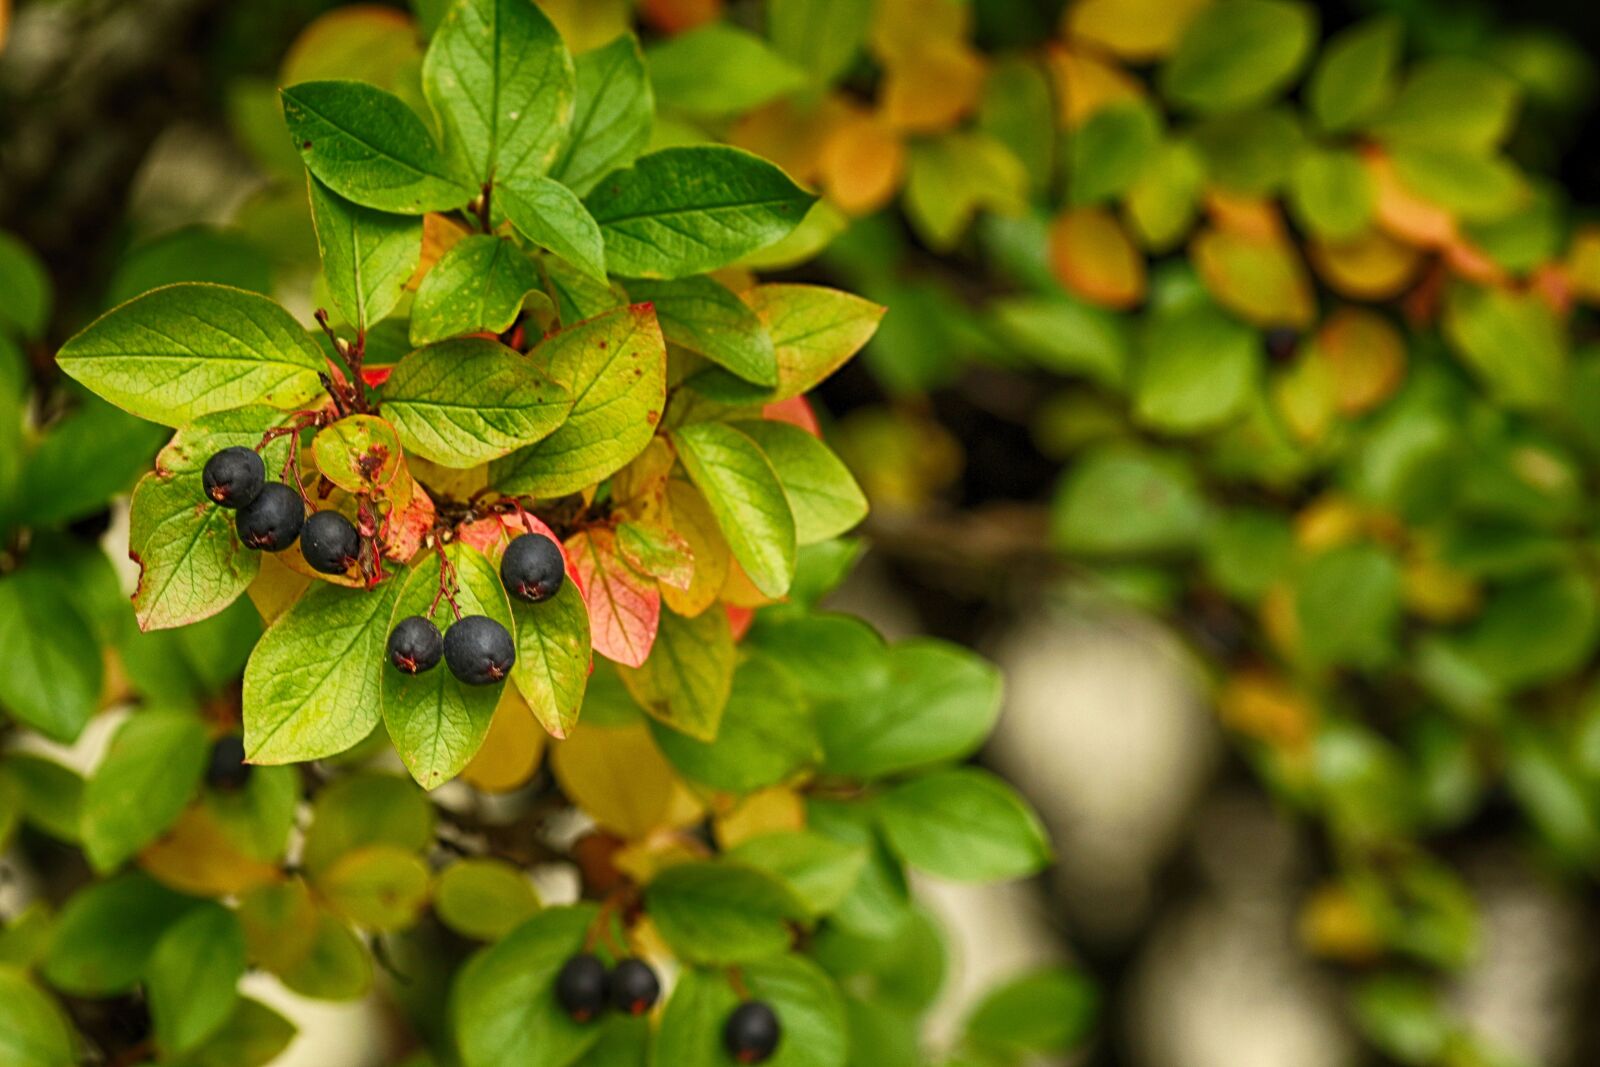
(1268, 320)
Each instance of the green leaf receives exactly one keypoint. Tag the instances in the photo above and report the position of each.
(1237, 53)
(1065, 335)
(687, 678)
(369, 147)
(822, 493)
(252, 1036)
(436, 721)
(765, 736)
(830, 655)
(808, 1005)
(377, 887)
(820, 871)
(1331, 193)
(50, 794)
(719, 69)
(1512, 341)
(33, 1030)
(1046, 1011)
(50, 663)
(93, 454)
(367, 256)
(1199, 369)
(1110, 150)
(578, 296)
(747, 499)
(615, 367)
(551, 216)
(1355, 77)
(936, 702)
(192, 564)
(1474, 188)
(821, 36)
(720, 913)
(1453, 103)
(465, 402)
(1347, 602)
(814, 331)
(1126, 499)
(27, 288)
(611, 123)
(476, 287)
(704, 316)
(177, 353)
(503, 1007)
(366, 809)
(553, 657)
(1534, 631)
(257, 819)
(484, 898)
(338, 965)
(879, 905)
(107, 932)
(502, 84)
(196, 254)
(682, 211)
(963, 824)
(311, 686)
(148, 775)
(193, 977)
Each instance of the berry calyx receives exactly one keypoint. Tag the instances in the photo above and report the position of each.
(581, 987)
(234, 477)
(751, 1033)
(415, 645)
(330, 542)
(273, 519)
(634, 987)
(478, 650)
(532, 567)
(226, 770)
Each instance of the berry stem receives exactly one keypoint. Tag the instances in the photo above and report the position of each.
(447, 580)
(736, 980)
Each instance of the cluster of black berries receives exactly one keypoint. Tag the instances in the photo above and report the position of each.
(272, 516)
(477, 649)
(585, 988)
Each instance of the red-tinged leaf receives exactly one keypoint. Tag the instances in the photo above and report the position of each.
(376, 376)
(408, 526)
(624, 608)
(739, 620)
(796, 411)
(657, 552)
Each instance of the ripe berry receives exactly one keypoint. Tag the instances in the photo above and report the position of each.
(532, 568)
(415, 645)
(581, 987)
(330, 542)
(751, 1033)
(272, 521)
(227, 770)
(234, 477)
(634, 987)
(479, 650)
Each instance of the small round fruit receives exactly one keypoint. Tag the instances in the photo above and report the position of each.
(532, 567)
(234, 477)
(272, 521)
(330, 542)
(226, 770)
(752, 1032)
(478, 650)
(581, 987)
(634, 987)
(415, 645)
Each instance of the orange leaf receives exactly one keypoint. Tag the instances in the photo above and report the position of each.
(790, 134)
(1260, 280)
(675, 16)
(863, 163)
(1085, 84)
(408, 526)
(931, 88)
(440, 233)
(363, 41)
(1091, 255)
(624, 608)
(1372, 266)
(197, 857)
(796, 411)
(1247, 215)
(1367, 356)
(739, 619)
(1403, 213)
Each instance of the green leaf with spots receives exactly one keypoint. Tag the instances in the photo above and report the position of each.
(476, 287)
(747, 499)
(704, 316)
(177, 353)
(367, 256)
(465, 402)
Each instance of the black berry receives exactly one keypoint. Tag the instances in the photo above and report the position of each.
(751, 1033)
(227, 770)
(330, 542)
(634, 987)
(532, 567)
(581, 987)
(234, 477)
(272, 521)
(479, 650)
(415, 645)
